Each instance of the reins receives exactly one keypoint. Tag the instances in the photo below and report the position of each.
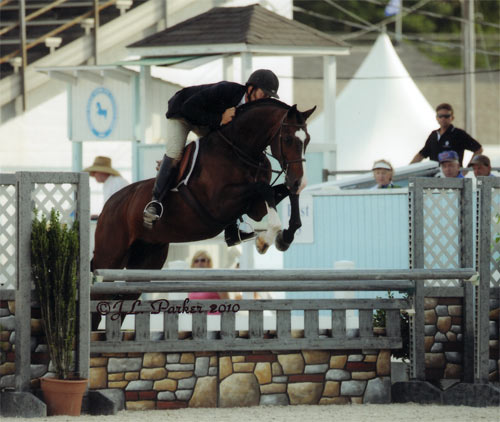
(250, 161)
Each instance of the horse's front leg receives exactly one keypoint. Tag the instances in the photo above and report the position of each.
(265, 240)
(285, 238)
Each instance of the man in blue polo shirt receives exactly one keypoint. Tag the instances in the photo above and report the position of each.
(448, 161)
(447, 138)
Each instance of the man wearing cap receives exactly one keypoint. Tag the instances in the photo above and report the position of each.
(201, 109)
(447, 138)
(481, 165)
(450, 166)
(102, 171)
(382, 173)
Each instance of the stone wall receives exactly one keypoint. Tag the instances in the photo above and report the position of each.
(40, 358)
(175, 380)
(444, 339)
(348, 378)
(494, 339)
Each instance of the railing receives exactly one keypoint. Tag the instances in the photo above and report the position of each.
(283, 336)
(69, 194)
(55, 31)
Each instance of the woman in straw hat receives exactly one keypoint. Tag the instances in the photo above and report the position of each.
(102, 171)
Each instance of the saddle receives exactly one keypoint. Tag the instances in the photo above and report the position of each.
(187, 163)
(185, 169)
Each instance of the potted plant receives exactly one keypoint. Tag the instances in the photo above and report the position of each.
(54, 256)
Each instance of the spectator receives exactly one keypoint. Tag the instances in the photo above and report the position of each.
(447, 138)
(102, 171)
(481, 165)
(382, 173)
(201, 260)
(112, 181)
(448, 161)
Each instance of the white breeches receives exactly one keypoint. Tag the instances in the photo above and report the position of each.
(177, 133)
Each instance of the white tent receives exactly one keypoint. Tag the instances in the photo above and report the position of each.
(380, 113)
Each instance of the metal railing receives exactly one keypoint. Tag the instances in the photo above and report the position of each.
(59, 29)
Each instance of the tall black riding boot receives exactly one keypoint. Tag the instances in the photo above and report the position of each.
(163, 183)
(234, 236)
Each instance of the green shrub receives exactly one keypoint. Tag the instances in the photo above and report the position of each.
(54, 257)
(379, 321)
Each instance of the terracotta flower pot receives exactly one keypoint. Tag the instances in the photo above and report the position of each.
(63, 397)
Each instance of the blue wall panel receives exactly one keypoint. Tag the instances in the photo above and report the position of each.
(369, 229)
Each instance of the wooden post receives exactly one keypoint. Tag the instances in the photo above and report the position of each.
(417, 350)
(23, 284)
(484, 244)
(469, 58)
(83, 319)
(467, 260)
(24, 56)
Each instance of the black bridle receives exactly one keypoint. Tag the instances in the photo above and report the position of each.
(260, 165)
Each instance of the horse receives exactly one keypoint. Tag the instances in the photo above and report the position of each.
(231, 177)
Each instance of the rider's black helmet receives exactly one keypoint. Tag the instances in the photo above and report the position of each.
(266, 80)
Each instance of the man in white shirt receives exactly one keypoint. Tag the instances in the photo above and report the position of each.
(102, 171)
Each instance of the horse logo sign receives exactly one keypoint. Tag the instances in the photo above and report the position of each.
(101, 112)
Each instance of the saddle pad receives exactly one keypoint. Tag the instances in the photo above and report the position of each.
(184, 163)
(187, 163)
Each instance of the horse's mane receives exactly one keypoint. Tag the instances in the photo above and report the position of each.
(260, 103)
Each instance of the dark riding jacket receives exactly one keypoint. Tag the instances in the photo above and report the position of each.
(203, 105)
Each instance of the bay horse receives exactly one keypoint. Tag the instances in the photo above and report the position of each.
(230, 178)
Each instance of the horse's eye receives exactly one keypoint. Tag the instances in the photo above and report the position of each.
(288, 140)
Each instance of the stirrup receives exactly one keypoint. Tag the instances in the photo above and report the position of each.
(148, 217)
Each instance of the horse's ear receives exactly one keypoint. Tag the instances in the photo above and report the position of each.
(292, 109)
(307, 113)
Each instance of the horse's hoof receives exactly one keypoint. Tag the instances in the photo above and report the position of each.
(280, 243)
(261, 245)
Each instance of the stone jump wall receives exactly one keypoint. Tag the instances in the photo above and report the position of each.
(211, 379)
(40, 359)
(295, 377)
(444, 339)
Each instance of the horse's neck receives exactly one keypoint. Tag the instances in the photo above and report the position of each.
(253, 133)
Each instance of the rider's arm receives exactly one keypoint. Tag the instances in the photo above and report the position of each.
(205, 108)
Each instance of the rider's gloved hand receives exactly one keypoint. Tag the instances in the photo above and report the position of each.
(228, 115)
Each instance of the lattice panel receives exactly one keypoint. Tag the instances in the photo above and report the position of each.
(441, 232)
(495, 232)
(7, 236)
(59, 196)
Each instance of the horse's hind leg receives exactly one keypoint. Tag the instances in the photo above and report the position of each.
(143, 255)
(110, 258)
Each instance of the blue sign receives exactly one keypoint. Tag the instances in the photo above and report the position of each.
(101, 112)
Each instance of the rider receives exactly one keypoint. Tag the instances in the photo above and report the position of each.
(201, 109)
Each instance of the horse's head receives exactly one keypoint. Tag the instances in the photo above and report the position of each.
(289, 147)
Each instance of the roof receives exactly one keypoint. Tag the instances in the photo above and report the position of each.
(236, 26)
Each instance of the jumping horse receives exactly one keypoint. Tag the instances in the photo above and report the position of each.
(231, 177)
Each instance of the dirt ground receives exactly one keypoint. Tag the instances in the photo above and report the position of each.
(343, 413)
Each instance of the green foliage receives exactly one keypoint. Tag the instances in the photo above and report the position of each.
(439, 18)
(379, 321)
(54, 256)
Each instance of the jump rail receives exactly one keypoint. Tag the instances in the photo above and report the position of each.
(283, 337)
